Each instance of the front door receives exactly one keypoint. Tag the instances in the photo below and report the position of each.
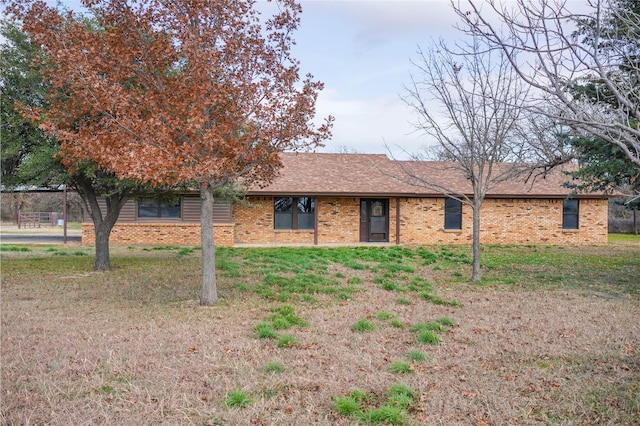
(374, 220)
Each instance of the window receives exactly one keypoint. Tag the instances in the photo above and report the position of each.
(570, 214)
(154, 209)
(452, 214)
(294, 212)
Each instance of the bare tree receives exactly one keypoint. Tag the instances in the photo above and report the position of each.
(469, 105)
(584, 67)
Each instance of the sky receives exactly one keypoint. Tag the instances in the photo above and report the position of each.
(362, 50)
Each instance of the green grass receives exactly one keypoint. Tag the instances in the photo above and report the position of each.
(238, 399)
(347, 405)
(162, 280)
(623, 238)
(273, 367)
(429, 326)
(427, 337)
(363, 325)
(396, 323)
(355, 280)
(284, 317)
(287, 341)
(384, 415)
(417, 356)
(437, 300)
(9, 247)
(265, 331)
(392, 408)
(384, 315)
(401, 389)
(447, 322)
(610, 269)
(400, 367)
(294, 275)
(288, 274)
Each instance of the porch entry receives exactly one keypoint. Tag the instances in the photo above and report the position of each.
(374, 220)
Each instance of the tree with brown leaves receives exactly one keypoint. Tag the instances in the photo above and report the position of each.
(180, 93)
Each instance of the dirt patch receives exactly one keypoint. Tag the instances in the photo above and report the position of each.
(99, 349)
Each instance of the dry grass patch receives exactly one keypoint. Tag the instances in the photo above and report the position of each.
(132, 346)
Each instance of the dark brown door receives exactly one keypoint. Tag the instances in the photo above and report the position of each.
(374, 220)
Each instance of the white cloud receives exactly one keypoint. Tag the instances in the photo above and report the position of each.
(361, 50)
(369, 125)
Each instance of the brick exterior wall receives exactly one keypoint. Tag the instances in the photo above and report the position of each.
(523, 221)
(503, 221)
(254, 225)
(187, 234)
(338, 220)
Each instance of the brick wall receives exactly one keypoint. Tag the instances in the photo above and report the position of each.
(422, 222)
(503, 221)
(338, 223)
(338, 220)
(540, 221)
(187, 234)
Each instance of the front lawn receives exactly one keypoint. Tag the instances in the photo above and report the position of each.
(358, 335)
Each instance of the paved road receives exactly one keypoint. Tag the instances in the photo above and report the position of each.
(37, 238)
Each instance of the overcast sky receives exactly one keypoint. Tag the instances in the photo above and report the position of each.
(362, 51)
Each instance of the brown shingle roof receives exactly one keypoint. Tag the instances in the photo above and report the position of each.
(375, 175)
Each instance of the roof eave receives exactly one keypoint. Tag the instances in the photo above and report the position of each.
(418, 195)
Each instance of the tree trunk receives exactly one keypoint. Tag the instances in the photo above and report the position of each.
(102, 261)
(209, 295)
(102, 224)
(475, 273)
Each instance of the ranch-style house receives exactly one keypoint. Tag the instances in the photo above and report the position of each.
(326, 199)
